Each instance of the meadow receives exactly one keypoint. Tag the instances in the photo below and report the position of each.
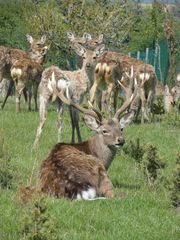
(139, 211)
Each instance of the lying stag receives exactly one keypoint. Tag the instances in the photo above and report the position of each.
(77, 171)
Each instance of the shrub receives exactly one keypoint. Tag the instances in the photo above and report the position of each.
(6, 173)
(158, 105)
(134, 150)
(37, 222)
(172, 118)
(175, 186)
(151, 164)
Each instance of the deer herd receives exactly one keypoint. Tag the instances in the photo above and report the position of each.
(79, 170)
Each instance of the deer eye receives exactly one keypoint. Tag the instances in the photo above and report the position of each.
(105, 131)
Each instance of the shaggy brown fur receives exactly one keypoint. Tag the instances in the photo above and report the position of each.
(68, 171)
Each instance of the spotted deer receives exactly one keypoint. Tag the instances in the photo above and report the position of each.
(78, 171)
(8, 56)
(105, 76)
(86, 41)
(26, 73)
(78, 85)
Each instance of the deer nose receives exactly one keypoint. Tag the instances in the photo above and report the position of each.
(121, 141)
(88, 64)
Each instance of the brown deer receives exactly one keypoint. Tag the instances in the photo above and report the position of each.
(145, 74)
(86, 41)
(8, 56)
(26, 73)
(78, 84)
(77, 171)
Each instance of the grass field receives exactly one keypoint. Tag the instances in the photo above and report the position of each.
(139, 211)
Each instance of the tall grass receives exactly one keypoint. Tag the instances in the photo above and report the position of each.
(137, 212)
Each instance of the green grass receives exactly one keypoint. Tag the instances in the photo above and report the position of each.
(141, 213)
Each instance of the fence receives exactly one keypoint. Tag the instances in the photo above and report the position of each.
(157, 57)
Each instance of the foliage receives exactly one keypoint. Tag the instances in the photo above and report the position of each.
(37, 222)
(175, 187)
(151, 164)
(134, 149)
(172, 118)
(6, 173)
(12, 27)
(158, 105)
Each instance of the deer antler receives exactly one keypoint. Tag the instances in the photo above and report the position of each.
(130, 95)
(69, 102)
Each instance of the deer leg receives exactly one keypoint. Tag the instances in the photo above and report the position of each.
(10, 87)
(19, 88)
(110, 96)
(29, 99)
(105, 185)
(35, 90)
(143, 106)
(93, 92)
(75, 124)
(60, 113)
(42, 118)
(150, 99)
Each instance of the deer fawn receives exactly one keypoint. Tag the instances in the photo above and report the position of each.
(77, 171)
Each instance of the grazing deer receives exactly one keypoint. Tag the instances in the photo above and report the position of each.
(77, 171)
(145, 74)
(8, 56)
(26, 73)
(78, 85)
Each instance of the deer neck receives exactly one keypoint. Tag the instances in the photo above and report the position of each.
(35, 58)
(100, 150)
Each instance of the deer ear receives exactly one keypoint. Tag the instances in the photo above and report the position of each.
(80, 50)
(43, 39)
(101, 38)
(70, 36)
(91, 122)
(87, 36)
(99, 50)
(29, 38)
(127, 119)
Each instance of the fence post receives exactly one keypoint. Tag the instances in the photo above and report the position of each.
(147, 55)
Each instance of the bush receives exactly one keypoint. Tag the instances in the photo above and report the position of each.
(158, 105)
(37, 222)
(6, 173)
(151, 164)
(175, 186)
(134, 150)
(172, 118)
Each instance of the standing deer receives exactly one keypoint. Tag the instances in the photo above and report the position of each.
(77, 171)
(8, 56)
(78, 85)
(86, 41)
(26, 73)
(145, 74)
